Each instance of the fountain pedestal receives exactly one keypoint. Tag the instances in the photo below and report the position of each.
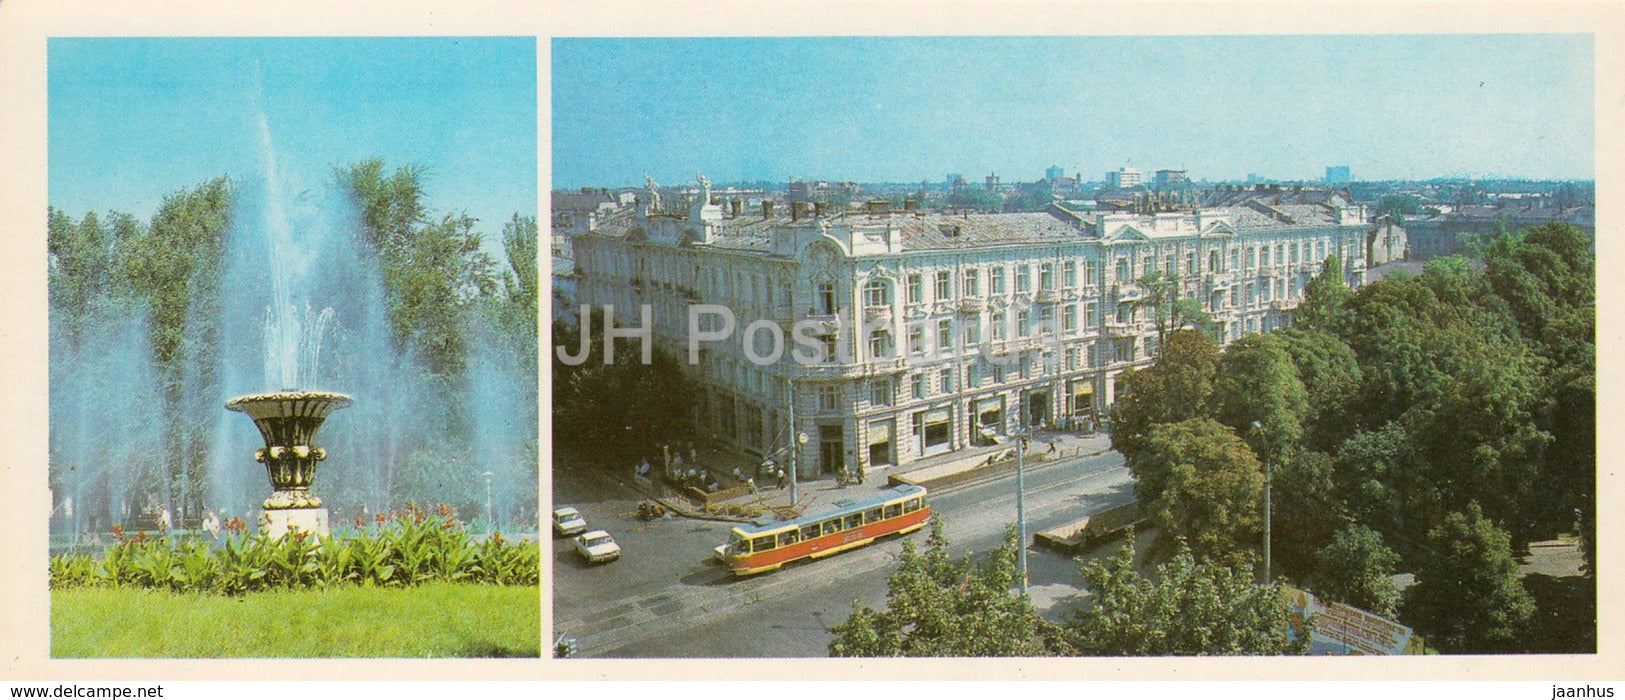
(288, 420)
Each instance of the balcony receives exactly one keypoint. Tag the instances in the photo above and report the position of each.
(877, 314)
(1048, 296)
(971, 305)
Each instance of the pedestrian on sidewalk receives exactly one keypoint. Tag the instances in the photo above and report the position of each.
(751, 482)
(782, 477)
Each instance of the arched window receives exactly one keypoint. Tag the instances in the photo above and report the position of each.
(877, 292)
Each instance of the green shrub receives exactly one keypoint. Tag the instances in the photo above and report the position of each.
(409, 547)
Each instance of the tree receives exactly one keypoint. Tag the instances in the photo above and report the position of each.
(1258, 393)
(1306, 511)
(1325, 299)
(1187, 607)
(1356, 568)
(939, 606)
(617, 412)
(1174, 389)
(1170, 311)
(1199, 483)
(1331, 375)
(1467, 597)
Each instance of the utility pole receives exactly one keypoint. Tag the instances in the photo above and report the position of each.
(797, 439)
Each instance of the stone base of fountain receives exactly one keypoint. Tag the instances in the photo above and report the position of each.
(278, 522)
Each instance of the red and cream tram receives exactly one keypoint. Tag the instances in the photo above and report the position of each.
(757, 548)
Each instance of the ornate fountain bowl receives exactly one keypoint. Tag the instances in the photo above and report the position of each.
(288, 420)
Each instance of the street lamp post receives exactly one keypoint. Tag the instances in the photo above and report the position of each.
(1268, 473)
(1021, 506)
(488, 509)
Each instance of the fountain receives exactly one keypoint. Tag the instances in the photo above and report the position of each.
(289, 420)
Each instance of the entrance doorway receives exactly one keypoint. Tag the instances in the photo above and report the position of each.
(831, 449)
(1038, 409)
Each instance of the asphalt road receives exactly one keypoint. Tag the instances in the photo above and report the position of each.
(666, 598)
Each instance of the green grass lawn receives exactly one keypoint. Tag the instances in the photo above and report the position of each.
(434, 620)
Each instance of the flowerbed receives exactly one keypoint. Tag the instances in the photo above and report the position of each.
(405, 548)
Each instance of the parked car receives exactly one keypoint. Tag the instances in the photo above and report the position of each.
(597, 546)
(568, 521)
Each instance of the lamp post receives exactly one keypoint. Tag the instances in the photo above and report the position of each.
(1021, 506)
(488, 509)
(1258, 429)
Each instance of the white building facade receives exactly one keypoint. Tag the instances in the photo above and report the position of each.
(925, 333)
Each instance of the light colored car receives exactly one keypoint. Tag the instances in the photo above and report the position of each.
(568, 521)
(597, 546)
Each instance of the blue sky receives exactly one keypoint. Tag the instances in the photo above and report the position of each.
(911, 109)
(133, 120)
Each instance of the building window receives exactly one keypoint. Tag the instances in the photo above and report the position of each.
(998, 326)
(1023, 323)
(1069, 273)
(826, 299)
(917, 382)
(827, 344)
(879, 344)
(877, 293)
(916, 339)
(1235, 258)
(1235, 296)
(829, 399)
(1213, 261)
(998, 373)
(945, 335)
(1320, 250)
(973, 285)
(1072, 355)
(1069, 318)
(1294, 248)
(1046, 276)
(880, 391)
(1123, 272)
(995, 280)
(945, 285)
(946, 377)
(973, 331)
(916, 289)
(1089, 310)
(1280, 253)
(1190, 262)
(973, 376)
(1024, 278)
(1264, 256)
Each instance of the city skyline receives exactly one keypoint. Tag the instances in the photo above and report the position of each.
(886, 109)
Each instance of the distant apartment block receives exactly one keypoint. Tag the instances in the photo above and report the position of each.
(1123, 177)
(1338, 175)
(977, 323)
(1170, 178)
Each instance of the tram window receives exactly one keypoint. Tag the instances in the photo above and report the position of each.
(912, 505)
(832, 526)
(789, 538)
(872, 515)
(894, 510)
(809, 531)
(761, 544)
(854, 520)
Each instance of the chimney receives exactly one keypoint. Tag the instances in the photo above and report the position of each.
(879, 207)
(796, 208)
(911, 205)
(820, 209)
(767, 208)
(738, 207)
